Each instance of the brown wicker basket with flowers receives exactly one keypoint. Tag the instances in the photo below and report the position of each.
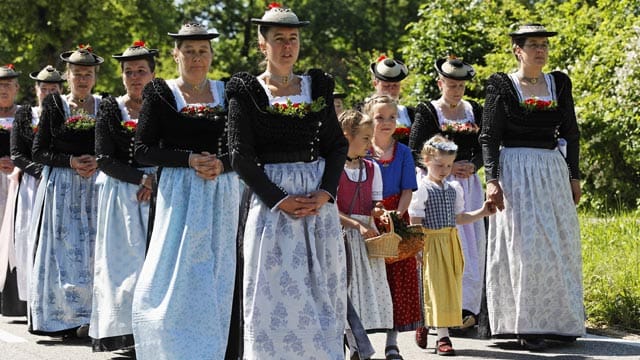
(412, 242)
(384, 245)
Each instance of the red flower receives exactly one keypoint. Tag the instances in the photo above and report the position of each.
(85, 47)
(381, 57)
(10, 66)
(274, 5)
(130, 125)
(35, 129)
(139, 43)
(533, 103)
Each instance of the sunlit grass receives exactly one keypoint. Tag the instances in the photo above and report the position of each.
(611, 267)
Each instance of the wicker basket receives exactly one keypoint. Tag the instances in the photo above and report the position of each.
(384, 245)
(410, 245)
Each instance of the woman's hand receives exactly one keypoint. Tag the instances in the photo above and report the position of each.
(143, 194)
(463, 169)
(84, 165)
(6, 165)
(207, 166)
(299, 206)
(495, 195)
(378, 210)
(146, 188)
(576, 191)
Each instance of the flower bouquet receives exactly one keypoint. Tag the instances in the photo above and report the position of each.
(401, 133)
(80, 121)
(298, 110)
(460, 127)
(535, 104)
(129, 125)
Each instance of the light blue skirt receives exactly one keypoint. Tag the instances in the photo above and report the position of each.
(23, 242)
(295, 281)
(62, 277)
(120, 249)
(182, 302)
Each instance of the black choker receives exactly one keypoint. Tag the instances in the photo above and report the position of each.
(79, 101)
(354, 159)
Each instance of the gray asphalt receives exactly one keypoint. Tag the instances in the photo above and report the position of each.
(17, 344)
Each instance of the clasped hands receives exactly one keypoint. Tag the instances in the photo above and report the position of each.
(463, 169)
(206, 165)
(84, 165)
(6, 165)
(299, 206)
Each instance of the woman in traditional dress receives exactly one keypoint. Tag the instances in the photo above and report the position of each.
(534, 262)
(11, 305)
(48, 81)
(123, 204)
(62, 276)
(183, 299)
(458, 120)
(287, 145)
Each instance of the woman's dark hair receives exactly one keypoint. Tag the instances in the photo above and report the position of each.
(264, 30)
(180, 41)
(519, 42)
(150, 60)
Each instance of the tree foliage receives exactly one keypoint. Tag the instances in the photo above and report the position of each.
(598, 46)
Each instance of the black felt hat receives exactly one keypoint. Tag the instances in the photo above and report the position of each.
(194, 31)
(8, 72)
(82, 56)
(136, 51)
(48, 74)
(277, 15)
(390, 70)
(454, 68)
(532, 30)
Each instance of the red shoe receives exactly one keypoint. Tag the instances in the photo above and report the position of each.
(444, 347)
(421, 337)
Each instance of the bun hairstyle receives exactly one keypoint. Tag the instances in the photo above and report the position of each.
(378, 99)
(438, 145)
(352, 120)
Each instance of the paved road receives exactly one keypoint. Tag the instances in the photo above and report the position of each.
(17, 344)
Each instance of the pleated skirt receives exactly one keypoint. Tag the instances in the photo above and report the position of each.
(183, 298)
(534, 261)
(295, 282)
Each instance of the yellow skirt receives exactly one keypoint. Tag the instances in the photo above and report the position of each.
(443, 265)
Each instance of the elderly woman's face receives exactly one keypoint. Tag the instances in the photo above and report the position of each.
(135, 75)
(535, 51)
(81, 80)
(8, 91)
(391, 89)
(281, 46)
(452, 90)
(43, 89)
(194, 58)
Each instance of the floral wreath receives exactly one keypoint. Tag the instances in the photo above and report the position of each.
(448, 146)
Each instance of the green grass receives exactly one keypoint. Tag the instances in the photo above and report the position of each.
(611, 268)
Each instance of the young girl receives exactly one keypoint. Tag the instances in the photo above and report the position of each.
(359, 191)
(439, 206)
(399, 181)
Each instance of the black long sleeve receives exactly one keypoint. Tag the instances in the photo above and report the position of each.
(166, 137)
(22, 141)
(257, 137)
(506, 123)
(114, 145)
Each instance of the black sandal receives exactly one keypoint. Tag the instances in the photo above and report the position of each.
(393, 356)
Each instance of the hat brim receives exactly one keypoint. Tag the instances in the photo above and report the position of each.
(533, 34)
(470, 72)
(151, 54)
(207, 36)
(34, 76)
(12, 76)
(280, 24)
(382, 77)
(97, 59)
